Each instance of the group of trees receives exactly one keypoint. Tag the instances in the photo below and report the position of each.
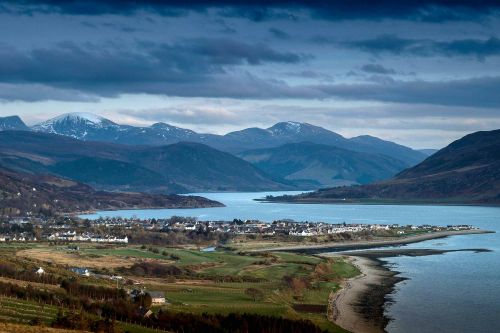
(81, 321)
(74, 288)
(155, 269)
(231, 323)
(11, 271)
(174, 237)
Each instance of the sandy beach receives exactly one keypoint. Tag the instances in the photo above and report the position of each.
(349, 307)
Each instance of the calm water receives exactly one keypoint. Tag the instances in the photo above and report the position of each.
(453, 292)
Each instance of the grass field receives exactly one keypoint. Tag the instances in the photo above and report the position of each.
(284, 279)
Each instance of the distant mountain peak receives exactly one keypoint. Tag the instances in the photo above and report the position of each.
(168, 127)
(78, 117)
(289, 127)
(75, 124)
(12, 123)
(301, 131)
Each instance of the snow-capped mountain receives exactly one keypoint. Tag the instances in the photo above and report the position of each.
(280, 134)
(90, 127)
(78, 125)
(302, 131)
(286, 128)
(166, 130)
(12, 123)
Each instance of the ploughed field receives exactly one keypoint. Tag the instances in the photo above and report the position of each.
(281, 284)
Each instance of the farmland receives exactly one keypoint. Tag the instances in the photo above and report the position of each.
(287, 285)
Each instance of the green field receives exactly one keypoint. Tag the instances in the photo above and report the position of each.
(220, 280)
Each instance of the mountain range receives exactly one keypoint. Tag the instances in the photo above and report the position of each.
(165, 158)
(85, 148)
(180, 167)
(90, 127)
(466, 171)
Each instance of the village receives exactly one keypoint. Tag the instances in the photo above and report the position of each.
(77, 230)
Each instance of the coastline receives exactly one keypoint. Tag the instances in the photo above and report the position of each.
(375, 202)
(208, 204)
(360, 303)
(359, 245)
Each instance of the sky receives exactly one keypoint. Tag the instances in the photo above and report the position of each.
(420, 73)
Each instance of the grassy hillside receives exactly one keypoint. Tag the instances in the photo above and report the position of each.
(466, 171)
(321, 165)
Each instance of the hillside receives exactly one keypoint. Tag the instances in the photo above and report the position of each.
(466, 171)
(12, 123)
(194, 166)
(90, 127)
(179, 167)
(315, 165)
(428, 152)
(16, 328)
(25, 194)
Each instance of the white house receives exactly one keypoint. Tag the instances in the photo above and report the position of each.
(40, 271)
(80, 271)
(157, 297)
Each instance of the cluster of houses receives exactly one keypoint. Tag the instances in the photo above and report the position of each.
(283, 227)
(22, 237)
(72, 236)
(68, 233)
(288, 227)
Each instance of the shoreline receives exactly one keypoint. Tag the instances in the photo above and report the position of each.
(368, 244)
(380, 202)
(359, 305)
(216, 204)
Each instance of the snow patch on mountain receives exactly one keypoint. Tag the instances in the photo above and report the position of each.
(74, 120)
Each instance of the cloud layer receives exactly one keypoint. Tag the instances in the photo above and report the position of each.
(406, 68)
(419, 10)
(478, 48)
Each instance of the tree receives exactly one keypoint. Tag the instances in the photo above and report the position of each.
(144, 300)
(254, 293)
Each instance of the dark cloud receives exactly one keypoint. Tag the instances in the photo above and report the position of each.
(115, 26)
(257, 13)
(310, 74)
(479, 92)
(391, 44)
(421, 10)
(415, 10)
(194, 67)
(280, 34)
(228, 51)
(210, 67)
(39, 92)
(377, 69)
